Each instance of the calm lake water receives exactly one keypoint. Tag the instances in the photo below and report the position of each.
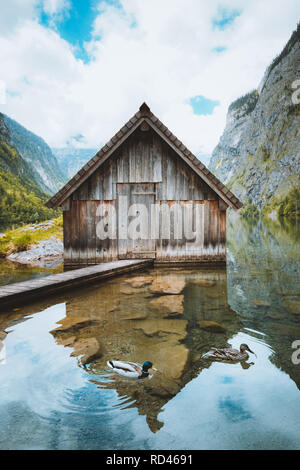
(11, 272)
(57, 393)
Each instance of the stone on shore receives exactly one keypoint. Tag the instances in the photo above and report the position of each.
(49, 249)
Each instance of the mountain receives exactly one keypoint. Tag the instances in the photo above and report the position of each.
(21, 199)
(258, 155)
(38, 154)
(71, 159)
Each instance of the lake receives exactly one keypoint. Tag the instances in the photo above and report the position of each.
(56, 391)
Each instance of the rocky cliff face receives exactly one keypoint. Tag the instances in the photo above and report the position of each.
(258, 156)
(37, 153)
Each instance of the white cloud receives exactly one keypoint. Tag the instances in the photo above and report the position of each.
(52, 7)
(165, 59)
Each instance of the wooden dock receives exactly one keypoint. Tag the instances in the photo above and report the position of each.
(21, 292)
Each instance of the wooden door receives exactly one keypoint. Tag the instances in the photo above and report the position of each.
(135, 203)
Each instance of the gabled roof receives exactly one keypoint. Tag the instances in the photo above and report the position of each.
(144, 114)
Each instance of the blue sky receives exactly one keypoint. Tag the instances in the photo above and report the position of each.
(74, 25)
(202, 105)
(225, 17)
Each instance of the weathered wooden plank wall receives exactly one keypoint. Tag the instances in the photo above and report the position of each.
(145, 159)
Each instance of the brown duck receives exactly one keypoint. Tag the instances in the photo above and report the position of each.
(229, 354)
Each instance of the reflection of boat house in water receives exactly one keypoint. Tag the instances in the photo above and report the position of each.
(171, 330)
(144, 195)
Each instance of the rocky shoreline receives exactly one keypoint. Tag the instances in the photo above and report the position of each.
(51, 249)
(37, 244)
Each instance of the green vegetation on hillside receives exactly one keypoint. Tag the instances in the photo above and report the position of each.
(286, 50)
(290, 204)
(287, 204)
(250, 99)
(21, 201)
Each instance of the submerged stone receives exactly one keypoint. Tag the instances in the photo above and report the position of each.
(161, 327)
(274, 315)
(128, 290)
(167, 285)
(3, 335)
(212, 326)
(204, 282)
(88, 348)
(133, 315)
(168, 305)
(140, 281)
(261, 303)
(72, 322)
(292, 306)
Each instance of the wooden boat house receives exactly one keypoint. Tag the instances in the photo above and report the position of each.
(144, 195)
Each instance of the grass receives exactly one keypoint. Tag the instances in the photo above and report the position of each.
(21, 239)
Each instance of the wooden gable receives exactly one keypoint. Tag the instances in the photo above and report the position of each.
(143, 118)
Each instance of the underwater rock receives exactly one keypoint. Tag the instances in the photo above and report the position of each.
(292, 306)
(133, 315)
(214, 295)
(175, 365)
(168, 305)
(161, 327)
(204, 282)
(140, 281)
(274, 315)
(167, 285)
(72, 324)
(88, 348)
(128, 290)
(162, 387)
(261, 303)
(3, 335)
(212, 326)
(284, 330)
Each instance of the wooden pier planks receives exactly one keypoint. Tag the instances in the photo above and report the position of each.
(21, 292)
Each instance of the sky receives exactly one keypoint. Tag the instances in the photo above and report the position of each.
(76, 70)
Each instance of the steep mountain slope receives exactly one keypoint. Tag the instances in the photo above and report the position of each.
(258, 155)
(71, 159)
(38, 154)
(21, 200)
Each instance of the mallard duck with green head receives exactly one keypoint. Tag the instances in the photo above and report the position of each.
(131, 370)
(230, 354)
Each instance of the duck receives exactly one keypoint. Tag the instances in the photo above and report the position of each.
(230, 354)
(131, 370)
